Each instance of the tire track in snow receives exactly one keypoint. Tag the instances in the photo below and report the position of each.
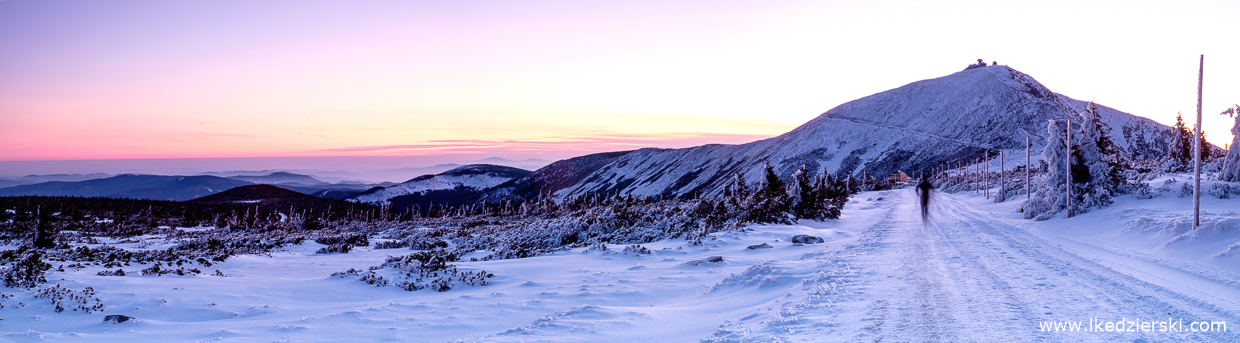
(1121, 294)
(1053, 284)
(968, 277)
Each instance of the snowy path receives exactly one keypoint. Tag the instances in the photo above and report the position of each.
(968, 276)
(973, 273)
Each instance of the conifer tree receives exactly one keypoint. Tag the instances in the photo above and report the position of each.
(1231, 164)
(805, 190)
(770, 203)
(1181, 147)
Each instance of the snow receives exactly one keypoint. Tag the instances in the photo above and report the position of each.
(974, 271)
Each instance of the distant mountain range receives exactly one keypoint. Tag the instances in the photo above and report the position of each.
(32, 179)
(164, 187)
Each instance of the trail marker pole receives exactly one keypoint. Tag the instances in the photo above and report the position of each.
(1197, 149)
(1068, 166)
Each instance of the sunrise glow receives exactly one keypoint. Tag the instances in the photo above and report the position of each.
(550, 79)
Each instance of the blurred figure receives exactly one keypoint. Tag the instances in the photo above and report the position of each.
(923, 190)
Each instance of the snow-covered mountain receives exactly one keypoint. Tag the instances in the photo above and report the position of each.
(455, 185)
(913, 128)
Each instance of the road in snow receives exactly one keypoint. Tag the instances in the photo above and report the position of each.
(973, 273)
(969, 275)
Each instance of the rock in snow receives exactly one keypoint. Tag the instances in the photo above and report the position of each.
(116, 318)
(806, 239)
(711, 259)
(759, 246)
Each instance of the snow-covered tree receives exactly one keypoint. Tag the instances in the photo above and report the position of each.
(1050, 197)
(1181, 147)
(1055, 154)
(817, 198)
(1096, 163)
(771, 202)
(804, 192)
(736, 192)
(831, 196)
(1231, 163)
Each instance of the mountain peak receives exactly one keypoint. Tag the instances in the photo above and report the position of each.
(962, 117)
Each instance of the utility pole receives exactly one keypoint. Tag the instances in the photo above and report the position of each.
(1068, 166)
(1002, 185)
(1197, 149)
(1028, 185)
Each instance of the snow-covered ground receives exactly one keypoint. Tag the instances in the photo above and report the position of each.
(973, 272)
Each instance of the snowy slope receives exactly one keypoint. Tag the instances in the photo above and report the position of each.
(469, 178)
(975, 272)
(913, 128)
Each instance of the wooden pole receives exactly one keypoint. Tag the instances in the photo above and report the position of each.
(1197, 149)
(986, 174)
(1068, 165)
(1002, 185)
(1028, 185)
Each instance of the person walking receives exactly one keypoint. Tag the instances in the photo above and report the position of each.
(923, 191)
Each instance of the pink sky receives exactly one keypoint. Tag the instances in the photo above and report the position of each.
(91, 80)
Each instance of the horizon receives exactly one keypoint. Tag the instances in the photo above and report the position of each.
(418, 84)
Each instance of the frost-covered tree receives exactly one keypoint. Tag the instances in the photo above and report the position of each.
(804, 192)
(771, 202)
(831, 196)
(1231, 163)
(1095, 166)
(1181, 147)
(817, 198)
(1055, 154)
(736, 192)
(1050, 197)
(1096, 163)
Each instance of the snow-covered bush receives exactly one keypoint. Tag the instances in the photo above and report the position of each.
(424, 269)
(342, 243)
(118, 272)
(84, 300)
(1223, 191)
(636, 249)
(156, 270)
(25, 268)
